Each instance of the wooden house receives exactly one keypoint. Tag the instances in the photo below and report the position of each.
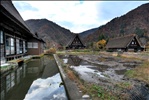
(14, 33)
(35, 46)
(125, 43)
(75, 43)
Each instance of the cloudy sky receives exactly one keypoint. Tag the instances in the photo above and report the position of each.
(77, 16)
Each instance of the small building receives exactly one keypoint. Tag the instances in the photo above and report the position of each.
(35, 46)
(14, 33)
(75, 43)
(125, 43)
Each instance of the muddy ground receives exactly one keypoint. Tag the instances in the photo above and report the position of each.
(109, 72)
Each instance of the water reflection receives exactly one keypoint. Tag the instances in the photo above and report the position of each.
(72, 60)
(10, 80)
(46, 89)
(15, 84)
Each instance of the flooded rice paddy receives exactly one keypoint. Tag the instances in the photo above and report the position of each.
(107, 72)
(39, 79)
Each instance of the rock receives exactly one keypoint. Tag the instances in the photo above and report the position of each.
(85, 96)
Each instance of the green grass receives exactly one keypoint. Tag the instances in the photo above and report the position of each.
(124, 85)
(130, 73)
(141, 72)
(97, 92)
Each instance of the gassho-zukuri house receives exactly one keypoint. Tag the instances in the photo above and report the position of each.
(75, 43)
(125, 43)
(16, 40)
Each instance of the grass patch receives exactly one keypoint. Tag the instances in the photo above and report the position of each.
(97, 92)
(78, 52)
(141, 72)
(124, 85)
(130, 73)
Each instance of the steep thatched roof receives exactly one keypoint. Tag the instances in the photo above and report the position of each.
(121, 42)
(8, 6)
(72, 39)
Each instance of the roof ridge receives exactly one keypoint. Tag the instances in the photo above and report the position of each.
(123, 36)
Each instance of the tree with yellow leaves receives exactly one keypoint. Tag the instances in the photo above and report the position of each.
(101, 44)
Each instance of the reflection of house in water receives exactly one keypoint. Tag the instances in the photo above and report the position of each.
(35, 66)
(8, 81)
(20, 79)
(74, 60)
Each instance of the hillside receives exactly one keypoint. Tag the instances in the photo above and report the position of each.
(87, 32)
(49, 31)
(135, 21)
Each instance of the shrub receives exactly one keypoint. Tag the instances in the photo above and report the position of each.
(51, 51)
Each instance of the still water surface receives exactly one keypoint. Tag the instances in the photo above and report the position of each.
(39, 79)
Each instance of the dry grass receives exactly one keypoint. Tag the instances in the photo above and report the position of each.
(78, 52)
(72, 76)
(141, 72)
(51, 51)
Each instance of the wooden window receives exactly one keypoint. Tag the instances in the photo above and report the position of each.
(12, 46)
(1, 37)
(17, 46)
(24, 49)
(21, 46)
(24, 46)
(9, 45)
(32, 45)
(35, 45)
(29, 44)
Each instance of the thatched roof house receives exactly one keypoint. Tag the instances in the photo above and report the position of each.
(75, 43)
(125, 43)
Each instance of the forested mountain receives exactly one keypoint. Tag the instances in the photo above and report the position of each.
(135, 21)
(49, 31)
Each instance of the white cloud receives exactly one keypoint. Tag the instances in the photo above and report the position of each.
(80, 15)
(77, 16)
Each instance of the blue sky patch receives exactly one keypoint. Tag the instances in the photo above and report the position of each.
(22, 6)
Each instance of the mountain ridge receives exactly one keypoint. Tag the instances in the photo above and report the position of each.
(135, 21)
(49, 31)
